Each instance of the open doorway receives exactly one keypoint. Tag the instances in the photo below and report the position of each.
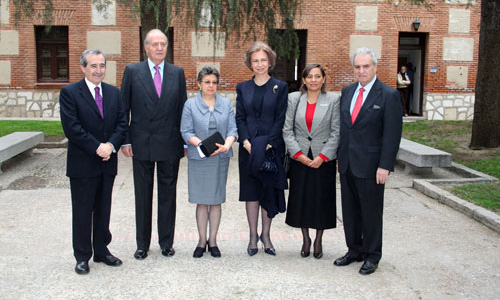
(411, 54)
(290, 70)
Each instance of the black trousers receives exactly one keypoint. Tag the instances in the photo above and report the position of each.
(362, 212)
(91, 205)
(167, 172)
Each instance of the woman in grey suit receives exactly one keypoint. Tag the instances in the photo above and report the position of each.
(202, 116)
(311, 134)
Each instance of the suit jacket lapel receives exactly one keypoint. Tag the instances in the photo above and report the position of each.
(319, 112)
(370, 99)
(168, 75)
(149, 86)
(346, 105)
(301, 112)
(85, 93)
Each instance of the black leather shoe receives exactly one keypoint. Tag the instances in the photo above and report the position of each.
(214, 251)
(368, 267)
(346, 260)
(140, 254)
(109, 260)
(198, 252)
(318, 255)
(168, 251)
(82, 267)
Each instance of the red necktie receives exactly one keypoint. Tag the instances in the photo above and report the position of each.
(157, 81)
(357, 105)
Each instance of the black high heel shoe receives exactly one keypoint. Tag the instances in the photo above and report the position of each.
(270, 251)
(253, 251)
(304, 253)
(319, 254)
(198, 252)
(214, 251)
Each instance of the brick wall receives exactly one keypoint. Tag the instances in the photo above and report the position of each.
(330, 26)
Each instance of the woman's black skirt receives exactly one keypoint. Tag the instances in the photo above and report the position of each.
(312, 196)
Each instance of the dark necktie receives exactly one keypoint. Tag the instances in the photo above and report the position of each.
(357, 105)
(157, 80)
(98, 101)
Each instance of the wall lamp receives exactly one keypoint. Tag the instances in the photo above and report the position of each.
(416, 24)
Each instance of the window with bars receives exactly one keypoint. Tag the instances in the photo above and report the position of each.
(52, 58)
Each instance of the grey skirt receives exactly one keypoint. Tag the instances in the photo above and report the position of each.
(207, 180)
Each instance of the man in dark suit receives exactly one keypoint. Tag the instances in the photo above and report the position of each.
(94, 123)
(153, 94)
(370, 133)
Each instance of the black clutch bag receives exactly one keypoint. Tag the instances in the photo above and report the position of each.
(208, 145)
(269, 164)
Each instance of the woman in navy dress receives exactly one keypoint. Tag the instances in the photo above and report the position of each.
(260, 113)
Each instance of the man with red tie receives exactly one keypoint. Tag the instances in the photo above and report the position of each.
(370, 133)
(94, 123)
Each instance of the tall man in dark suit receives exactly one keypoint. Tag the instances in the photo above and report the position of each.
(370, 133)
(94, 123)
(153, 94)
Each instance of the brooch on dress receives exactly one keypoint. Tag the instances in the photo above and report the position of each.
(275, 88)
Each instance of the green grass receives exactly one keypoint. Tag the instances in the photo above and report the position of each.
(454, 137)
(49, 128)
(485, 195)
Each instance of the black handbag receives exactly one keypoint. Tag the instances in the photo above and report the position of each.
(269, 164)
(286, 164)
(208, 146)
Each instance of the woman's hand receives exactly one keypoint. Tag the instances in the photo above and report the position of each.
(222, 149)
(247, 146)
(304, 160)
(316, 163)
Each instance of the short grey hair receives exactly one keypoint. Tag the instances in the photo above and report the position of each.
(208, 70)
(83, 58)
(364, 50)
(153, 31)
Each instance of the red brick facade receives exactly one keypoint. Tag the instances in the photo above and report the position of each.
(329, 24)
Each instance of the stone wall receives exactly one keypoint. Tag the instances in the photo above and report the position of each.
(449, 106)
(45, 104)
(29, 104)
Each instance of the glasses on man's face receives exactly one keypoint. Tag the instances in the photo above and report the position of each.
(208, 82)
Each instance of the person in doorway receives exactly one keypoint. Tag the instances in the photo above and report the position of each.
(403, 83)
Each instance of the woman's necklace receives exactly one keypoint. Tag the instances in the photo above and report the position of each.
(261, 82)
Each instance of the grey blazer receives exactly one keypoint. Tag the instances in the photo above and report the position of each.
(195, 119)
(325, 129)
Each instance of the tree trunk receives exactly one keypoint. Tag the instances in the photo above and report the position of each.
(486, 123)
(153, 15)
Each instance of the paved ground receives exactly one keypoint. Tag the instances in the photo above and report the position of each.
(430, 250)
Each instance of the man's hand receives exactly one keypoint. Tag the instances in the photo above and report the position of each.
(104, 151)
(382, 175)
(127, 151)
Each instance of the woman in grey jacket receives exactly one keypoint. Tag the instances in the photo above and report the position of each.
(202, 116)
(311, 134)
